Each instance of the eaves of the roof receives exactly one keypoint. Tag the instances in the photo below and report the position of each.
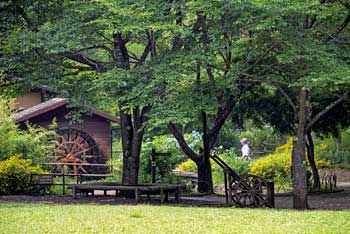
(53, 104)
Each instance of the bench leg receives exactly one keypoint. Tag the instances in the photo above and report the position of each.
(177, 195)
(105, 192)
(161, 196)
(136, 195)
(74, 191)
(166, 198)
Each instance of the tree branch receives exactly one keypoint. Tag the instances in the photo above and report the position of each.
(289, 100)
(343, 25)
(211, 76)
(84, 60)
(220, 120)
(182, 142)
(325, 110)
(145, 52)
(261, 57)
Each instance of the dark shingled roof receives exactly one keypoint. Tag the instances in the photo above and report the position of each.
(53, 104)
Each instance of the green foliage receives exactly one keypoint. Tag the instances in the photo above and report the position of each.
(57, 189)
(165, 164)
(341, 160)
(117, 169)
(34, 143)
(326, 150)
(272, 166)
(240, 166)
(276, 167)
(193, 66)
(15, 175)
(260, 135)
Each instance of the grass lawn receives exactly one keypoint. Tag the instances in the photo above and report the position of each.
(65, 219)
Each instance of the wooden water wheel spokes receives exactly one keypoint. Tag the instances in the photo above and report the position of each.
(248, 191)
(75, 148)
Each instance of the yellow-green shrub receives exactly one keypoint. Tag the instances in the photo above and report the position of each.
(272, 166)
(15, 175)
(188, 165)
(277, 165)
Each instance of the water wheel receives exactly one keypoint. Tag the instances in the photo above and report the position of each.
(248, 191)
(76, 147)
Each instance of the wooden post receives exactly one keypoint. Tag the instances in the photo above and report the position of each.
(153, 163)
(63, 184)
(271, 194)
(226, 192)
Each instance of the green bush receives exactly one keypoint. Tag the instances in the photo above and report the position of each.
(165, 164)
(238, 165)
(272, 166)
(276, 167)
(15, 175)
(342, 160)
(35, 143)
(57, 189)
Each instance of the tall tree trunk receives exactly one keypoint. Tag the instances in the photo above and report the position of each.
(298, 157)
(311, 157)
(131, 142)
(205, 181)
(131, 123)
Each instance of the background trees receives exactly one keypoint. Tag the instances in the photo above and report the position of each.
(186, 65)
(309, 58)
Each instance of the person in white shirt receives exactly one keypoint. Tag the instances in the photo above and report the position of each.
(246, 152)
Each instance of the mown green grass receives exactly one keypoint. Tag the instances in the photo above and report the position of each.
(41, 218)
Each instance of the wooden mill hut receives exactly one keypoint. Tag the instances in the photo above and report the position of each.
(85, 142)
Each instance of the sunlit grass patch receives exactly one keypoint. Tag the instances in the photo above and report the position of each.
(42, 218)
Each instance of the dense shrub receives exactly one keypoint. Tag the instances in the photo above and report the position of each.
(326, 149)
(276, 166)
(165, 164)
(35, 143)
(15, 175)
(272, 166)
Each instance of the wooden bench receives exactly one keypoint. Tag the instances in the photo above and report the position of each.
(41, 180)
(136, 190)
